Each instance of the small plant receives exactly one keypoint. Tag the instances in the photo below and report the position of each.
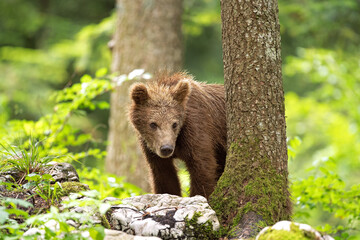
(42, 186)
(24, 159)
(11, 185)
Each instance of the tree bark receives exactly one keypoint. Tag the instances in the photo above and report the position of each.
(147, 36)
(253, 190)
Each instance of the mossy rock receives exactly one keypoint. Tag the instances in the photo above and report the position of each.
(286, 230)
(203, 230)
(72, 187)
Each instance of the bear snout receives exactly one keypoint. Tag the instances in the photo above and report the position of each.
(166, 150)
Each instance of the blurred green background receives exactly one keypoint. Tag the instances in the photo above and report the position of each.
(48, 45)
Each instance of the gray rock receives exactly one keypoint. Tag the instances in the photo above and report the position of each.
(33, 231)
(286, 225)
(63, 172)
(51, 224)
(161, 215)
(118, 235)
(11, 175)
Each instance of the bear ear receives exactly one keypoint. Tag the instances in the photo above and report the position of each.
(139, 93)
(181, 91)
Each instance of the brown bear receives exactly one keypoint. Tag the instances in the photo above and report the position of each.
(177, 117)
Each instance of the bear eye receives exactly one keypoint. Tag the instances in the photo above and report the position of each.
(153, 125)
(174, 125)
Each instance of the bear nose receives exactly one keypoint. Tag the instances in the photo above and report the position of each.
(166, 150)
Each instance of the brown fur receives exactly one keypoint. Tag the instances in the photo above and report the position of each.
(197, 111)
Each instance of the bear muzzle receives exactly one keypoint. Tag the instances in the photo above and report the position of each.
(166, 150)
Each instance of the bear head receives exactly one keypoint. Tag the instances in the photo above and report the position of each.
(158, 113)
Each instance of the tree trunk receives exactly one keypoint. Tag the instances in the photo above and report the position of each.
(253, 190)
(147, 36)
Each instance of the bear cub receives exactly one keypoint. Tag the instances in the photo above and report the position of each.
(177, 117)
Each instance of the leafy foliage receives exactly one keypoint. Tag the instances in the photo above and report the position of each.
(333, 77)
(57, 135)
(319, 24)
(60, 137)
(9, 206)
(43, 70)
(325, 190)
(108, 184)
(52, 225)
(49, 45)
(328, 193)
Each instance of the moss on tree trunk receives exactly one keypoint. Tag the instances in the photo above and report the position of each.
(253, 190)
(250, 187)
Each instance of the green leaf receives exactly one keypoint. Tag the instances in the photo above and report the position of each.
(101, 72)
(18, 212)
(49, 233)
(97, 233)
(103, 105)
(33, 177)
(4, 215)
(16, 201)
(47, 177)
(86, 78)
